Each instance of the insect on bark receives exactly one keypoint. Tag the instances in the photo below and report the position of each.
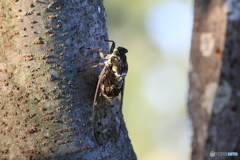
(107, 103)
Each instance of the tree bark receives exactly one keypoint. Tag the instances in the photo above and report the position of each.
(45, 103)
(213, 101)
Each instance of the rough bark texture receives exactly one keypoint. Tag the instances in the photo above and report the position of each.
(213, 100)
(45, 103)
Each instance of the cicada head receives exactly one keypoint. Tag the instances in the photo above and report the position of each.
(120, 50)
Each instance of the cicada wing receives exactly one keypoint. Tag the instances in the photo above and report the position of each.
(96, 98)
(97, 91)
(122, 94)
(106, 112)
(120, 117)
(107, 120)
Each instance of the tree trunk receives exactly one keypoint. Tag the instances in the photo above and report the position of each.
(213, 101)
(45, 102)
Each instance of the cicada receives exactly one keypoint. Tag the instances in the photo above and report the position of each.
(107, 103)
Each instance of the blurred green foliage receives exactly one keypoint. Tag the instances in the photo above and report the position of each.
(149, 130)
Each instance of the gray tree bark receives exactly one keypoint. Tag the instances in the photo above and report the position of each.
(213, 101)
(45, 103)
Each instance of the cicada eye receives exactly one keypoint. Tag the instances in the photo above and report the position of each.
(125, 50)
(122, 50)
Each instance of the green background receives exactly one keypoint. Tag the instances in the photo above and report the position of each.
(156, 85)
